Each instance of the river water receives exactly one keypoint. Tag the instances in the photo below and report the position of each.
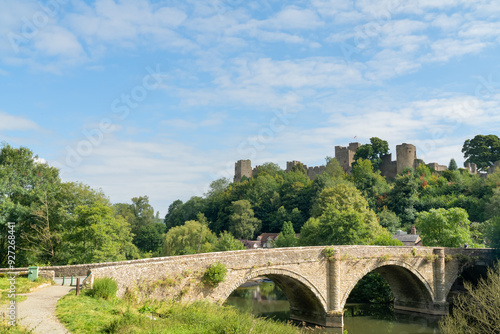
(265, 299)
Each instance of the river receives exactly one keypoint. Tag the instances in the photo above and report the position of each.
(265, 299)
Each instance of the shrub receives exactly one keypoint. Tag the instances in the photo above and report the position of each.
(105, 288)
(478, 311)
(215, 274)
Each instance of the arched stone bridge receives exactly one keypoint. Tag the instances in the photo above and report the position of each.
(317, 287)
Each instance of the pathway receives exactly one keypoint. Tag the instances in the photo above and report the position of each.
(38, 311)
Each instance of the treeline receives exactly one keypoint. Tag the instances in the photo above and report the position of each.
(60, 223)
(68, 223)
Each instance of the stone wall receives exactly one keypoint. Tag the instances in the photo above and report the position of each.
(317, 287)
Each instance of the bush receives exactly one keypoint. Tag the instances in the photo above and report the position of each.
(215, 274)
(104, 288)
(478, 311)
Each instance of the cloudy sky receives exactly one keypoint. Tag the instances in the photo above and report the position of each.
(159, 98)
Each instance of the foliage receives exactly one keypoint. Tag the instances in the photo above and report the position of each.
(242, 223)
(104, 288)
(287, 237)
(389, 220)
(84, 314)
(483, 150)
(445, 227)
(191, 238)
(372, 288)
(373, 151)
(215, 274)
(227, 242)
(452, 165)
(478, 311)
(333, 168)
(492, 232)
(97, 236)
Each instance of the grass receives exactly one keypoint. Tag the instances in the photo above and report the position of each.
(6, 328)
(23, 285)
(85, 314)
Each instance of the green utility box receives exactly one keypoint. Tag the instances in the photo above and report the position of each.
(32, 273)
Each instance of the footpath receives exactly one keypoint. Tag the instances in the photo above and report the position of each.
(38, 311)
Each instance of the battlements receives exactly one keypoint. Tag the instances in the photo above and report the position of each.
(406, 157)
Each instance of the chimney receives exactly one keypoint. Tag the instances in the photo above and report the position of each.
(413, 230)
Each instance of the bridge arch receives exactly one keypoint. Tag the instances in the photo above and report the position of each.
(410, 289)
(306, 302)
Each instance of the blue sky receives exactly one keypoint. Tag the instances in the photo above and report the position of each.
(160, 98)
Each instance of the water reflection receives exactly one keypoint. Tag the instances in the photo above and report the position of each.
(263, 298)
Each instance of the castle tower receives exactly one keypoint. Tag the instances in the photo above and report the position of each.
(406, 154)
(242, 168)
(345, 155)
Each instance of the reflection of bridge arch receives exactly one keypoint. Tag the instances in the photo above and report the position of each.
(304, 298)
(407, 284)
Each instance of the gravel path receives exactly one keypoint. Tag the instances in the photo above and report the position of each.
(38, 312)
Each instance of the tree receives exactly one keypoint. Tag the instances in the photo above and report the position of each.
(333, 168)
(403, 198)
(482, 150)
(476, 312)
(191, 238)
(491, 230)
(373, 151)
(341, 216)
(453, 165)
(287, 237)
(242, 223)
(227, 242)
(445, 227)
(97, 236)
(389, 220)
(269, 168)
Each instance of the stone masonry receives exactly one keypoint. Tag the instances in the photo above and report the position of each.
(406, 157)
(317, 287)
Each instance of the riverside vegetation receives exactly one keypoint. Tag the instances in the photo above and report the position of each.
(59, 223)
(99, 311)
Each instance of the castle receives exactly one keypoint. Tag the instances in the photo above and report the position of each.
(406, 157)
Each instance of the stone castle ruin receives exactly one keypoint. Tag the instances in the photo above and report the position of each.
(406, 157)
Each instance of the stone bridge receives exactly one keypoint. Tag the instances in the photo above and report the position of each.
(317, 283)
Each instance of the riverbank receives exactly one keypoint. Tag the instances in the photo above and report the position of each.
(85, 314)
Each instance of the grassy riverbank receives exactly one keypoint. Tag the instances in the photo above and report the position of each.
(85, 314)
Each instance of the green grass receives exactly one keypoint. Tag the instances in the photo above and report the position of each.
(23, 285)
(6, 328)
(85, 314)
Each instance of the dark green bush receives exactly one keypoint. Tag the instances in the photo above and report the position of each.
(104, 288)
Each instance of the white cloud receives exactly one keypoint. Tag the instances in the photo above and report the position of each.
(57, 41)
(445, 49)
(11, 122)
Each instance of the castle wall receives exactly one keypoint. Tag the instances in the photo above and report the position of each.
(388, 168)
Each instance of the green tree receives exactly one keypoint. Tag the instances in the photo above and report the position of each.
(482, 150)
(403, 197)
(333, 168)
(227, 242)
(491, 230)
(452, 165)
(97, 236)
(373, 151)
(242, 223)
(445, 227)
(287, 237)
(191, 238)
(478, 311)
(389, 220)
(269, 168)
